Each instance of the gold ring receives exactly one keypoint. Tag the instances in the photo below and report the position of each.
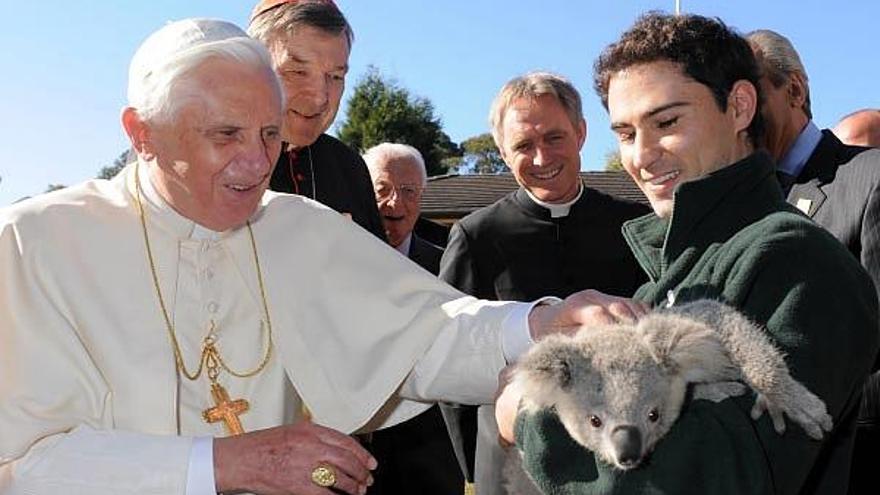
(324, 476)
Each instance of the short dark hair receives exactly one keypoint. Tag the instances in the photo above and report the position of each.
(707, 50)
(286, 18)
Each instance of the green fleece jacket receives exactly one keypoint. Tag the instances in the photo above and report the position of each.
(732, 237)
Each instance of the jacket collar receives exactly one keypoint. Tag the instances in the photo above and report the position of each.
(825, 153)
(707, 210)
(806, 193)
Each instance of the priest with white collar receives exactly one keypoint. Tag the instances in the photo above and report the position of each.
(552, 236)
(167, 331)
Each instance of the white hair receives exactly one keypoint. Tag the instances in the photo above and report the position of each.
(381, 154)
(780, 60)
(165, 59)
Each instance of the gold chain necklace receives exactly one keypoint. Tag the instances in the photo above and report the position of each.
(210, 361)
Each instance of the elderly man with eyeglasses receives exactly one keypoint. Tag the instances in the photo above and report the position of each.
(417, 455)
(398, 173)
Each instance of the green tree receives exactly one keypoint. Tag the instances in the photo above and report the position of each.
(381, 111)
(110, 171)
(479, 156)
(612, 161)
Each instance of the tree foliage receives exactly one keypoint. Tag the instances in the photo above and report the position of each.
(612, 161)
(107, 172)
(479, 156)
(381, 111)
(110, 171)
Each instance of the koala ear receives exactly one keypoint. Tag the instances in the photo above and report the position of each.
(548, 369)
(685, 346)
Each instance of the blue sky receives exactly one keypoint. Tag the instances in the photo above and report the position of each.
(65, 63)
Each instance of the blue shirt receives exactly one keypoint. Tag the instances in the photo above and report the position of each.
(793, 162)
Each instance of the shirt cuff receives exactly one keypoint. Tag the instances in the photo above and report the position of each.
(200, 475)
(515, 335)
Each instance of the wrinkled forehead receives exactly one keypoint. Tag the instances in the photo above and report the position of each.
(398, 170)
(219, 92)
(221, 78)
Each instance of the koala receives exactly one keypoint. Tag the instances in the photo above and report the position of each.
(618, 389)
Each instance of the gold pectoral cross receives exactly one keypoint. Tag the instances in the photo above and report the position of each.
(226, 410)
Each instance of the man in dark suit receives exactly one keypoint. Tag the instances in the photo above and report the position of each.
(860, 128)
(553, 236)
(310, 41)
(836, 185)
(416, 456)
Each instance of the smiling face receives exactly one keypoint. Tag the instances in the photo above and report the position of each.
(541, 146)
(398, 183)
(216, 156)
(670, 129)
(312, 65)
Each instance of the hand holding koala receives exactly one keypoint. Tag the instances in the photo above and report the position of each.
(618, 389)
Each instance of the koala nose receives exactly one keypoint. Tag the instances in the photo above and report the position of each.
(627, 442)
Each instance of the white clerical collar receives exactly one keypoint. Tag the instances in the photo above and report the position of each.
(183, 226)
(558, 210)
(403, 247)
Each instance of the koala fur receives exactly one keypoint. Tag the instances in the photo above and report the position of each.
(618, 389)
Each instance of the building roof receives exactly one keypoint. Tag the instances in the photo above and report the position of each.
(455, 195)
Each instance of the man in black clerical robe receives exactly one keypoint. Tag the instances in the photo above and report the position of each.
(552, 236)
(310, 44)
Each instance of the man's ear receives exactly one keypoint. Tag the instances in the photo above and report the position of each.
(138, 132)
(796, 90)
(582, 133)
(743, 100)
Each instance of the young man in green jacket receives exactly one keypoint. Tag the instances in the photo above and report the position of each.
(682, 94)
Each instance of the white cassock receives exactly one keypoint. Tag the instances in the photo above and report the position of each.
(90, 397)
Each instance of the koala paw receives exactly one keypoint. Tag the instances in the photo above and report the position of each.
(718, 391)
(799, 404)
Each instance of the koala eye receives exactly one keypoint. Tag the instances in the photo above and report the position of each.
(653, 415)
(595, 421)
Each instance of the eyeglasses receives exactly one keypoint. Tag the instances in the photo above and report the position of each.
(386, 191)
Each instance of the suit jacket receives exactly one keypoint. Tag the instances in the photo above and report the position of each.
(417, 456)
(839, 188)
(328, 171)
(425, 254)
(514, 250)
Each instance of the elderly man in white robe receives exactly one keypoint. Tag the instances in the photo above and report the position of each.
(145, 345)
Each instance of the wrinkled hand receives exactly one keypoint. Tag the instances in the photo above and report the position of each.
(280, 461)
(587, 307)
